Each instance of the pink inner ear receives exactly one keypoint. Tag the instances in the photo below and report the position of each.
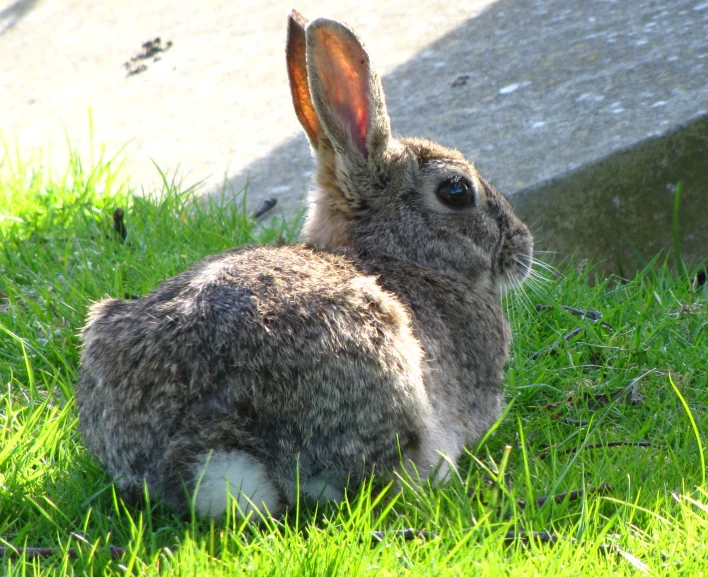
(297, 73)
(344, 74)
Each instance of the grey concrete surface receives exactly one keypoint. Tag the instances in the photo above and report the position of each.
(534, 91)
(214, 103)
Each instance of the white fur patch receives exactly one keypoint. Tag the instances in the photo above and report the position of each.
(437, 456)
(322, 490)
(239, 474)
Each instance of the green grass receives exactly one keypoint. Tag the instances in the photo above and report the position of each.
(59, 253)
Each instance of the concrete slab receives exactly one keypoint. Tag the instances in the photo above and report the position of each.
(533, 91)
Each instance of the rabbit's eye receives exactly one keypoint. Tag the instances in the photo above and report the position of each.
(456, 193)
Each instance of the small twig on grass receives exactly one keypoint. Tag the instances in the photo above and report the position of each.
(593, 315)
(545, 454)
(628, 395)
(266, 206)
(44, 552)
(408, 534)
(510, 537)
(573, 495)
(515, 535)
(573, 333)
(54, 310)
(575, 422)
(526, 536)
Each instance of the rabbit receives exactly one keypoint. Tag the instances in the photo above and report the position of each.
(377, 347)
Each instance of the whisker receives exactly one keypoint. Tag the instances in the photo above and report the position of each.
(537, 283)
(526, 303)
(534, 274)
(537, 253)
(519, 293)
(545, 269)
(546, 266)
(541, 292)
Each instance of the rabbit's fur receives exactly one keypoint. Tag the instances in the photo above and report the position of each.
(378, 343)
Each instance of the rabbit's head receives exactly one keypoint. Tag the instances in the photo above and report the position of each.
(380, 196)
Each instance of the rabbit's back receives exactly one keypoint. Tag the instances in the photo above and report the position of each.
(275, 351)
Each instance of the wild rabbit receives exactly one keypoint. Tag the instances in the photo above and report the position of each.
(378, 344)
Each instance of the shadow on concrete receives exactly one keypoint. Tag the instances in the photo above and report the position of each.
(536, 90)
(10, 16)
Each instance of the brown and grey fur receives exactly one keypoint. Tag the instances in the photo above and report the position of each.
(318, 362)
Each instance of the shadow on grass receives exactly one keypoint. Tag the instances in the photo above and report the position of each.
(10, 16)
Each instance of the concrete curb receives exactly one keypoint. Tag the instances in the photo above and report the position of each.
(619, 210)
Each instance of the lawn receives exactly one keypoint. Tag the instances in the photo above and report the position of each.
(597, 466)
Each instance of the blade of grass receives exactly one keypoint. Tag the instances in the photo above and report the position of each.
(696, 432)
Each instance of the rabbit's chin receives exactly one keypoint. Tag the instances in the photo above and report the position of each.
(512, 279)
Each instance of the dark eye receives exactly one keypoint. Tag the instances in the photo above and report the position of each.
(456, 193)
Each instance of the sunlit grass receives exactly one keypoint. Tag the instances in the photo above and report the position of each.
(567, 398)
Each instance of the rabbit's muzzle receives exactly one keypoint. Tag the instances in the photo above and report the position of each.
(514, 256)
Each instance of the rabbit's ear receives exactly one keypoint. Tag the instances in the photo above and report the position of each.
(346, 92)
(297, 73)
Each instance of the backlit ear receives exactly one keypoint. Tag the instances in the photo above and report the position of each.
(346, 92)
(297, 73)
